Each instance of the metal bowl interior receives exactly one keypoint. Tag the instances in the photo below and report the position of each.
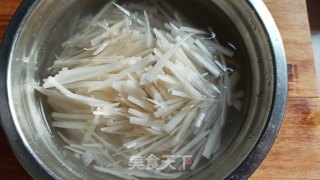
(46, 26)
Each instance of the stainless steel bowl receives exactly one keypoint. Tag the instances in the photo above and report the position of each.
(39, 27)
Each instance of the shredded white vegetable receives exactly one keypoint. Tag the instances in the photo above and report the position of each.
(133, 81)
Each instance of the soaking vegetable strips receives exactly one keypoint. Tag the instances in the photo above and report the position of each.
(134, 82)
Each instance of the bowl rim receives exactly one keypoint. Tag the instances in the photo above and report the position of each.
(21, 152)
(247, 167)
(278, 107)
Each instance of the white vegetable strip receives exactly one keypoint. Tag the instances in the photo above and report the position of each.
(148, 142)
(91, 129)
(141, 103)
(145, 52)
(65, 139)
(136, 142)
(83, 74)
(164, 111)
(107, 144)
(111, 122)
(126, 12)
(162, 90)
(114, 129)
(148, 30)
(173, 101)
(98, 145)
(182, 141)
(87, 158)
(209, 66)
(82, 99)
(165, 58)
(212, 141)
(193, 30)
(70, 125)
(101, 48)
(198, 156)
(135, 48)
(154, 145)
(175, 120)
(134, 89)
(73, 149)
(71, 116)
(139, 65)
(168, 79)
(201, 116)
(193, 92)
(154, 93)
(203, 47)
(191, 144)
(226, 78)
(237, 104)
(179, 93)
(94, 61)
(186, 124)
(145, 122)
(138, 114)
(218, 47)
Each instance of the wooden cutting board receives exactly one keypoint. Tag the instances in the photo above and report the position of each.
(296, 152)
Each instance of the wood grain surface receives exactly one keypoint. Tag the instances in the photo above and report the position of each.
(296, 152)
(292, 20)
